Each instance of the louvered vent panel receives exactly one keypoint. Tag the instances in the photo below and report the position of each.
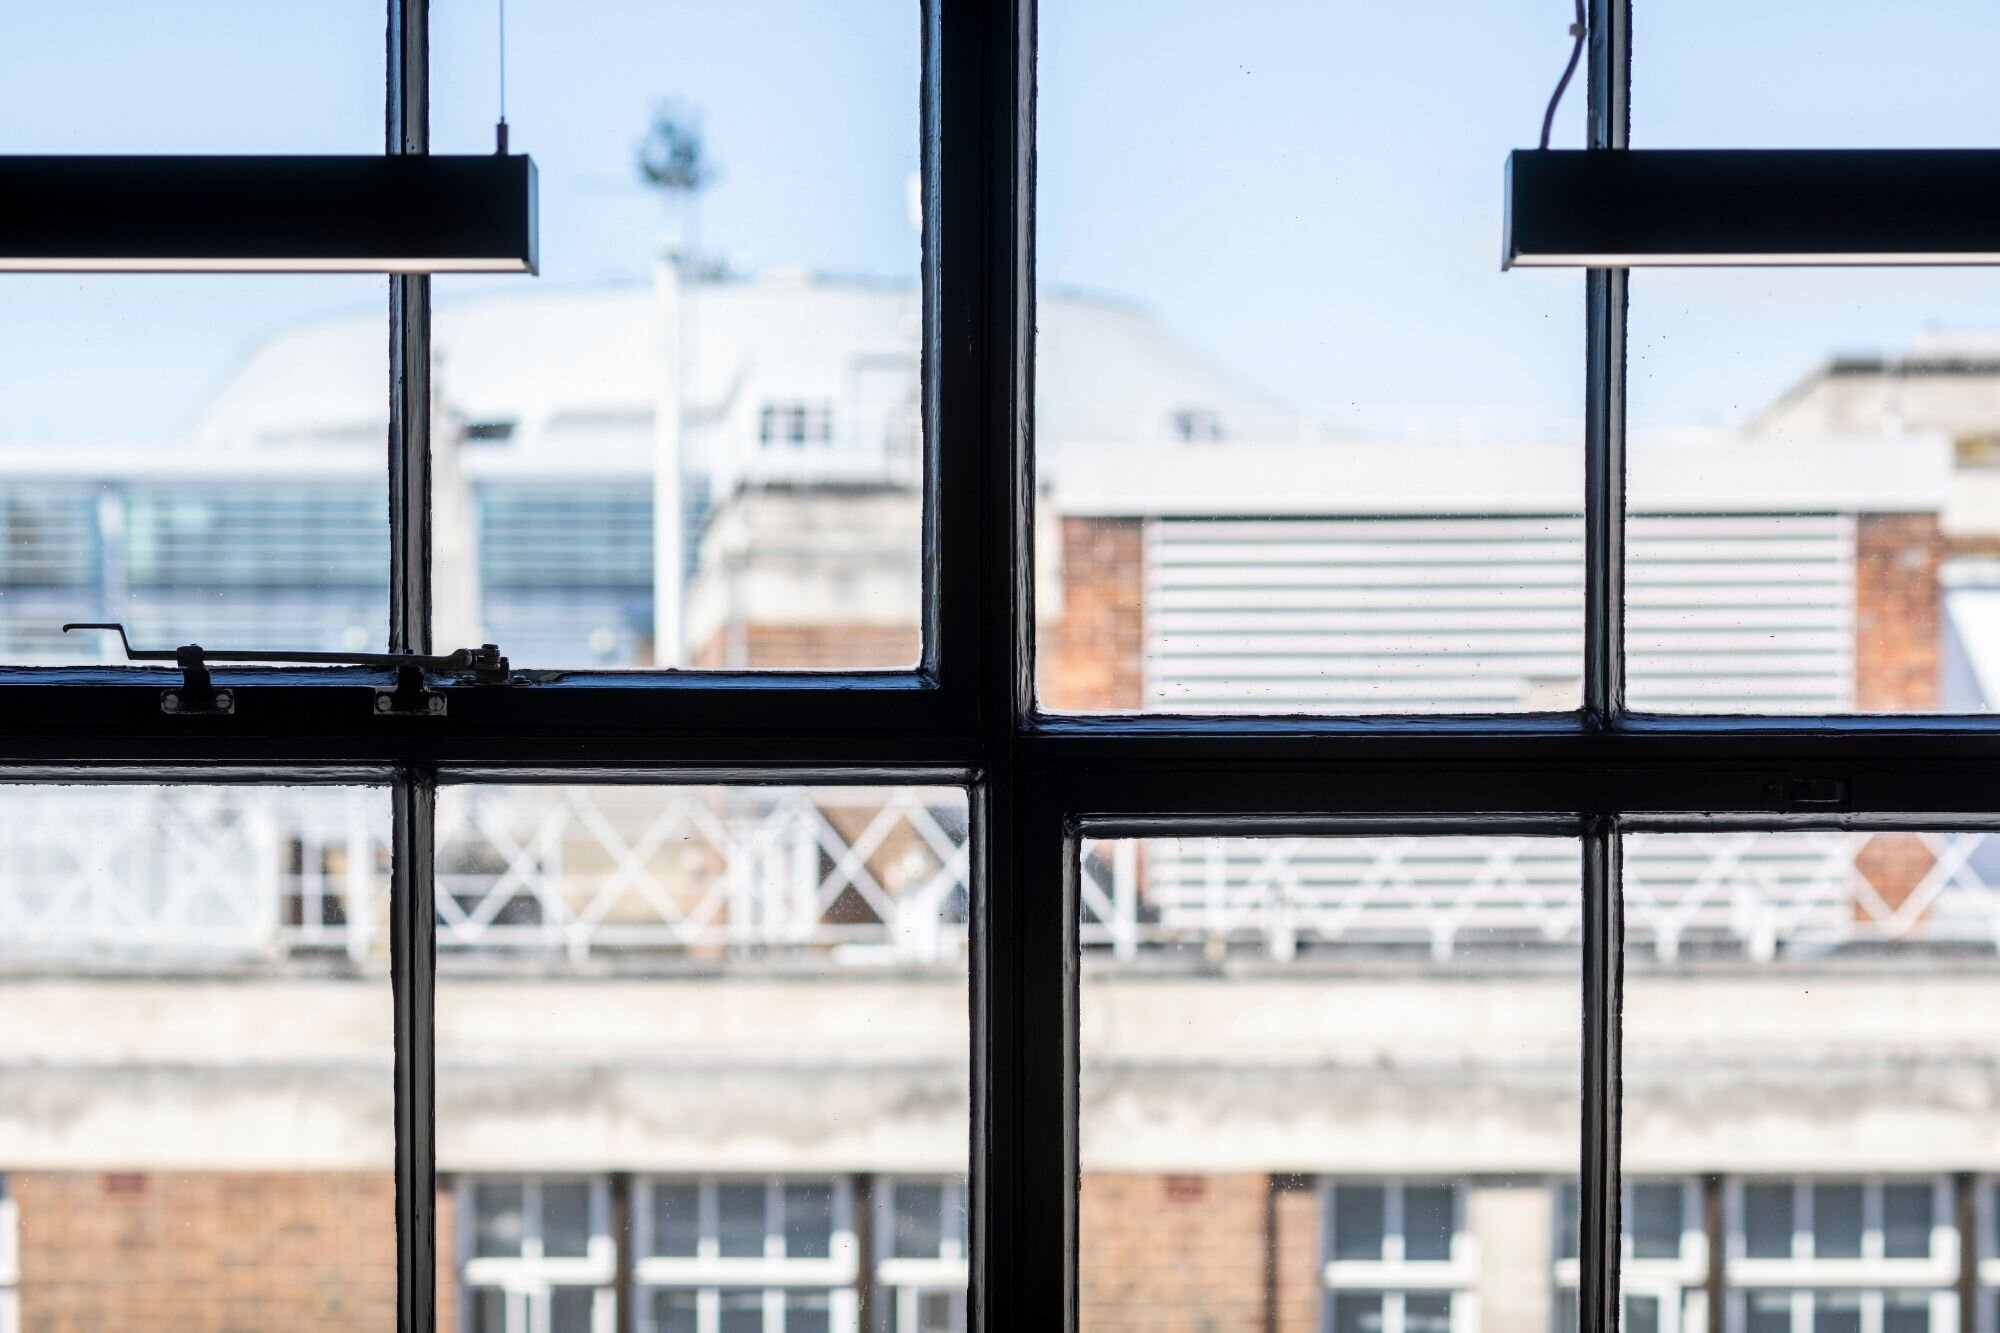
(1429, 615)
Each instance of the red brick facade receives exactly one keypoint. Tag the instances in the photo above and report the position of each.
(214, 1252)
(1172, 1254)
(768, 647)
(1898, 654)
(1091, 658)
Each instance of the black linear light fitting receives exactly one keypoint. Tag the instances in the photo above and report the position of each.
(381, 214)
(1626, 208)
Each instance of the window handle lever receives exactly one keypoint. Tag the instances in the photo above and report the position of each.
(198, 693)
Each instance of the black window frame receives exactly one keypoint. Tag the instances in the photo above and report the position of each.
(966, 714)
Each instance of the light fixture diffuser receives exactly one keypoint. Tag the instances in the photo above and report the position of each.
(378, 214)
(1631, 208)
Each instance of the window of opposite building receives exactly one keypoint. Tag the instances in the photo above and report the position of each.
(745, 1254)
(1398, 1255)
(538, 1252)
(1832, 1254)
(1664, 1256)
(921, 1257)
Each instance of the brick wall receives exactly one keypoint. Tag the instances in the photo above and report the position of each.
(1172, 1254)
(215, 1252)
(770, 647)
(1090, 657)
(1898, 653)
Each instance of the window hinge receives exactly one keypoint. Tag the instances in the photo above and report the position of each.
(411, 696)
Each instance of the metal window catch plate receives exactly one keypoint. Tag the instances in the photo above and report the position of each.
(411, 696)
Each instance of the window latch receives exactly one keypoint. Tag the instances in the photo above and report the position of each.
(197, 694)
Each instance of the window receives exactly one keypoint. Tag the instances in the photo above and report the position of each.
(730, 1254)
(1397, 1255)
(1663, 1261)
(795, 425)
(921, 1263)
(1988, 1220)
(955, 847)
(538, 1253)
(1799, 1249)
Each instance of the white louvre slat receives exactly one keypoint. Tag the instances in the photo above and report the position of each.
(1409, 614)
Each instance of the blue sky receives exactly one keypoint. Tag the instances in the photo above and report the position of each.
(1310, 190)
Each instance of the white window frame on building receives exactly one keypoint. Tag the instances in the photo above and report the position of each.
(1393, 1278)
(1674, 1284)
(904, 1283)
(709, 1274)
(1807, 1276)
(530, 1279)
(1986, 1221)
(795, 424)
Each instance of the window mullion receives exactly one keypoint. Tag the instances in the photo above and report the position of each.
(1610, 80)
(413, 981)
(1598, 1214)
(409, 133)
(413, 916)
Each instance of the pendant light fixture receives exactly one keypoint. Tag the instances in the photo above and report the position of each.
(382, 214)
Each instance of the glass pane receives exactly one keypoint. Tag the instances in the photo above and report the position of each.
(1906, 1312)
(1265, 1022)
(179, 78)
(1836, 1312)
(1762, 1040)
(808, 1312)
(1355, 1312)
(941, 1312)
(676, 1219)
(1642, 1314)
(1837, 1223)
(188, 456)
(1302, 446)
(489, 1311)
(743, 997)
(919, 1220)
(1769, 1312)
(696, 441)
(196, 1057)
(677, 1312)
(739, 1220)
(570, 1309)
(1358, 1213)
(1812, 495)
(1768, 1221)
(1655, 1221)
(1795, 74)
(1427, 1313)
(1906, 1221)
(1429, 1221)
(565, 1219)
(742, 1312)
(1569, 1223)
(499, 1218)
(808, 1221)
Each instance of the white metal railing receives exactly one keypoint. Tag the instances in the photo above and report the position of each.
(144, 876)
(1753, 895)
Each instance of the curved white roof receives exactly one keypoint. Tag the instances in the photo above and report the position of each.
(583, 368)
